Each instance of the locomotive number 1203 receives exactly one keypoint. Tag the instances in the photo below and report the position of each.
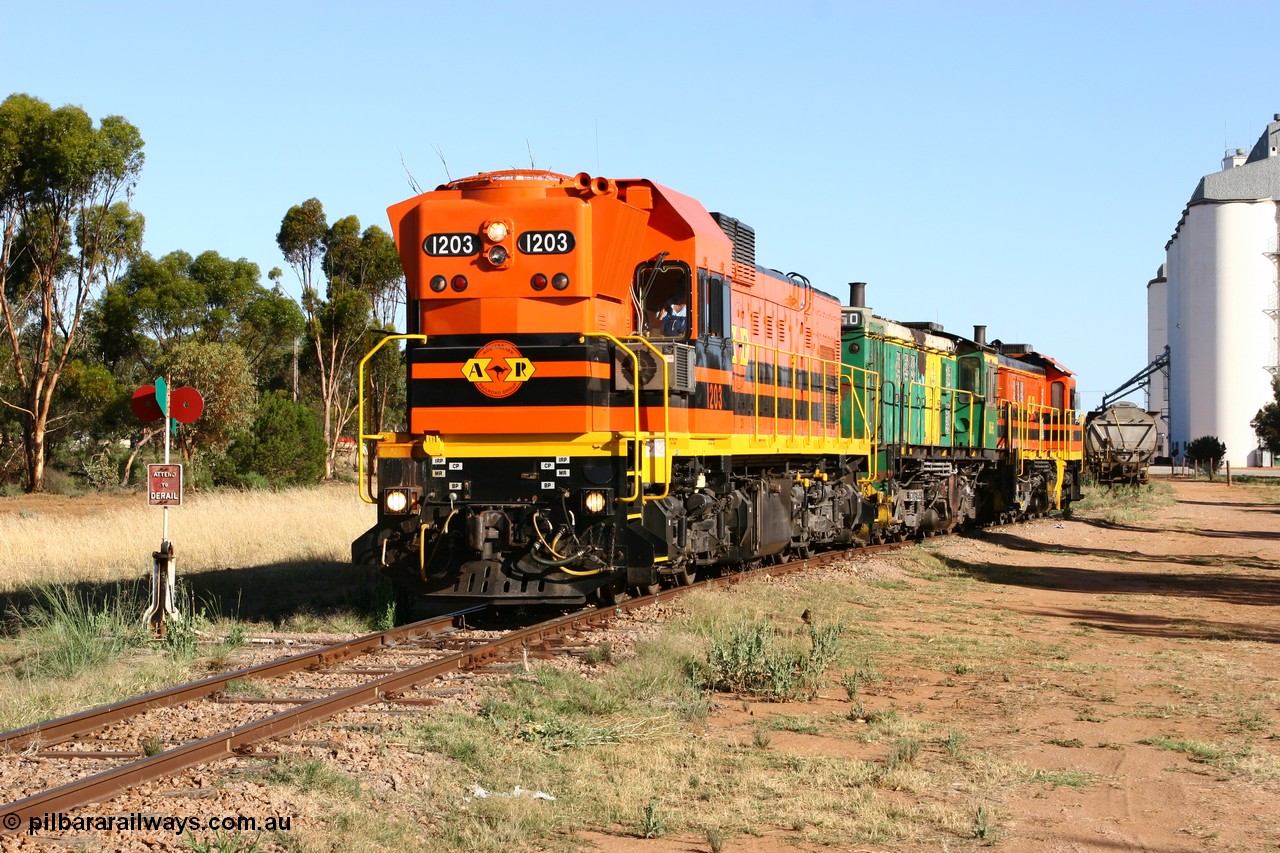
(545, 242)
(451, 245)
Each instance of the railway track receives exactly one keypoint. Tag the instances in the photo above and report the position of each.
(391, 666)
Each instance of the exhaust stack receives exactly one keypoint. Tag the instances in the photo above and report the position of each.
(858, 294)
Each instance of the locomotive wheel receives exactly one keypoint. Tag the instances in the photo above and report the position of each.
(685, 575)
(647, 589)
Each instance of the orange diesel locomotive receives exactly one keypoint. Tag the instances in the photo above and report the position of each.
(605, 392)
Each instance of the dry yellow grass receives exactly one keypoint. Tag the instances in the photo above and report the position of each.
(210, 531)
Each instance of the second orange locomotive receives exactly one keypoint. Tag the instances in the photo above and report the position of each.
(605, 392)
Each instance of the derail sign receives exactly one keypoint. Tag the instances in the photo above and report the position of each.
(164, 485)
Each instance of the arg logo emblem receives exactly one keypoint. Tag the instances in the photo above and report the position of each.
(498, 369)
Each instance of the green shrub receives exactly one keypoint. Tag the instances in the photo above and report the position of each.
(1207, 449)
(283, 447)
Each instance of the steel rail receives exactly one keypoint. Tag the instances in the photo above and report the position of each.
(63, 729)
(226, 744)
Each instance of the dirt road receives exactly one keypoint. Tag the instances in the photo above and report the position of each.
(1135, 669)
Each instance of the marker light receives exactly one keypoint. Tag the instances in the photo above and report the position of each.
(459, 283)
(438, 283)
(496, 231)
(560, 281)
(497, 255)
(538, 282)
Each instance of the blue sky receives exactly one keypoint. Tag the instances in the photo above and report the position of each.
(1019, 165)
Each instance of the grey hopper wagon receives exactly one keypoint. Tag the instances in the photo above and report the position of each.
(1120, 443)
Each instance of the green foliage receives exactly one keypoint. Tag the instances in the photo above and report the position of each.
(905, 750)
(220, 372)
(1125, 503)
(64, 235)
(363, 274)
(160, 303)
(651, 823)
(1207, 449)
(597, 655)
(747, 661)
(72, 632)
(283, 446)
(301, 238)
(101, 471)
(1195, 749)
(1266, 424)
(982, 824)
(313, 775)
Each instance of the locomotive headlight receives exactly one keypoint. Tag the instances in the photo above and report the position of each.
(595, 501)
(560, 281)
(497, 255)
(496, 231)
(438, 283)
(395, 501)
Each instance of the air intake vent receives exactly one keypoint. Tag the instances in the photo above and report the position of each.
(743, 237)
(681, 368)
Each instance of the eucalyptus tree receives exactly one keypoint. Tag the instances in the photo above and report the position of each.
(65, 229)
(1266, 424)
(360, 272)
(161, 305)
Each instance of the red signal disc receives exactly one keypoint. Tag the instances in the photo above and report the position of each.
(186, 404)
(144, 405)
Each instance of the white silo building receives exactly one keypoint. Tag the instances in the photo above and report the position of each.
(1219, 314)
(1157, 340)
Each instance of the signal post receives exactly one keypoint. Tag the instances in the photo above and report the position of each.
(164, 487)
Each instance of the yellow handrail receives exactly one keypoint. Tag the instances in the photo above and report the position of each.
(666, 415)
(638, 457)
(376, 436)
(771, 389)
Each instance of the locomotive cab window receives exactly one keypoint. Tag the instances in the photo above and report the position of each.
(1056, 395)
(970, 374)
(662, 295)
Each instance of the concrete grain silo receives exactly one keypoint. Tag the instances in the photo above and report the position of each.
(1157, 339)
(1220, 305)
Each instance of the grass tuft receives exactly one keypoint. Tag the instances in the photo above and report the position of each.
(68, 632)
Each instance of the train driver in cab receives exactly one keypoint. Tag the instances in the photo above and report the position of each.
(674, 316)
